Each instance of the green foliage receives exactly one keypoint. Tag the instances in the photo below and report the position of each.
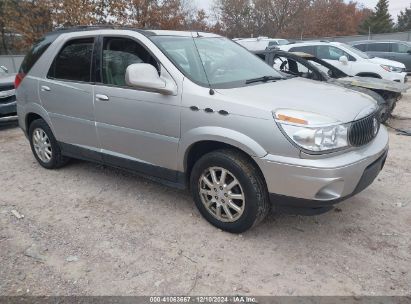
(404, 20)
(380, 20)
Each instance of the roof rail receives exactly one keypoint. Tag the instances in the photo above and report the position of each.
(85, 27)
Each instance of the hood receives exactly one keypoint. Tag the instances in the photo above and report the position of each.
(301, 94)
(387, 62)
(375, 84)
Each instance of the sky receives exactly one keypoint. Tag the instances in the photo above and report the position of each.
(395, 5)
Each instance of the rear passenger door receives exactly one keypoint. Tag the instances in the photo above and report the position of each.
(138, 129)
(67, 94)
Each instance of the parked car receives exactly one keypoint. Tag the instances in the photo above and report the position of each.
(390, 49)
(260, 43)
(7, 96)
(350, 60)
(385, 92)
(198, 111)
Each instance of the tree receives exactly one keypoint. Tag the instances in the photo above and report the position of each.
(380, 21)
(404, 20)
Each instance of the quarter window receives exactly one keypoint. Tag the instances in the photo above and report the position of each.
(118, 54)
(74, 61)
(379, 47)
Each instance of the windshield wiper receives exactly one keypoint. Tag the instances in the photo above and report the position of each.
(262, 79)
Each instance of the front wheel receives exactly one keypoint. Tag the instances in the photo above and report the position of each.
(229, 190)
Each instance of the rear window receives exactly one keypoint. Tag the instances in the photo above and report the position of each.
(73, 61)
(35, 53)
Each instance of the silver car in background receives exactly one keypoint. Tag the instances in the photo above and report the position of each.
(196, 110)
(7, 96)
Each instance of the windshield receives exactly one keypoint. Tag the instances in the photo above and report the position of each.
(356, 51)
(216, 62)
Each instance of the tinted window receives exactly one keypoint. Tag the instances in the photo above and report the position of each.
(330, 52)
(305, 49)
(118, 54)
(272, 43)
(361, 47)
(400, 48)
(74, 61)
(379, 47)
(35, 53)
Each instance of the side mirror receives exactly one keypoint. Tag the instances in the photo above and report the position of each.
(4, 68)
(409, 51)
(343, 59)
(145, 76)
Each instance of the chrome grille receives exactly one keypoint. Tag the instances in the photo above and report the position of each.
(364, 130)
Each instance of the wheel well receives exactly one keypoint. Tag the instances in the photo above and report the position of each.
(30, 118)
(197, 150)
(373, 75)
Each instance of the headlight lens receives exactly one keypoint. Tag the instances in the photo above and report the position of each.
(312, 132)
(390, 68)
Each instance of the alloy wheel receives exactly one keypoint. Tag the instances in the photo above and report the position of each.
(42, 145)
(222, 194)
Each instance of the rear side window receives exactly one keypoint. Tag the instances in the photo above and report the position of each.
(35, 52)
(73, 62)
(305, 49)
(379, 47)
(361, 47)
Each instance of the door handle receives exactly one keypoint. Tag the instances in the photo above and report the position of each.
(102, 97)
(45, 88)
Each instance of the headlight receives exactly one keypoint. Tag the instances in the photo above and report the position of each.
(390, 68)
(312, 132)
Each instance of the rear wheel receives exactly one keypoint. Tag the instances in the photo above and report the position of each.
(44, 145)
(229, 190)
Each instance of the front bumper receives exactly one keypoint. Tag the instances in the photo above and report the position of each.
(320, 182)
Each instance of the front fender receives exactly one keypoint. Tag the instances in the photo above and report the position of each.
(218, 134)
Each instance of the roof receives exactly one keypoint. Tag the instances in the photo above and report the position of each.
(145, 32)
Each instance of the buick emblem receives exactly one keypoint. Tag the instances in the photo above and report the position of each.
(375, 126)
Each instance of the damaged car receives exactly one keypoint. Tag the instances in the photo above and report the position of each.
(7, 96)
(385, 92)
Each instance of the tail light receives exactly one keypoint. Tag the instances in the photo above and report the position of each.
(19, 78)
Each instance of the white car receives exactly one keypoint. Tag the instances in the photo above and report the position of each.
(260, 43)
(350, 60)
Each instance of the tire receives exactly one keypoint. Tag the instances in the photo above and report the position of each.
(250, 210)
(45, 148)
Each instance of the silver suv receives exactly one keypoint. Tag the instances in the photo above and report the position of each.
(198, 111)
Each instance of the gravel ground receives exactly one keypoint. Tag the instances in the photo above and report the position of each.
(94, 230)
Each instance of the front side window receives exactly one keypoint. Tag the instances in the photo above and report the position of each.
(73, 61)
(330, 52)
(400, 48)
(216, 62)
(118, 54)
(379, 47)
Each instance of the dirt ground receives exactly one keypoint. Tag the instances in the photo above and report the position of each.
(93, 230)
